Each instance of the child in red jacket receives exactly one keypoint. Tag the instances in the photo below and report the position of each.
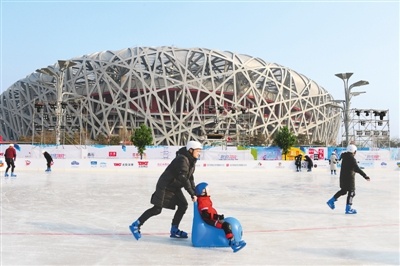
(211, 216)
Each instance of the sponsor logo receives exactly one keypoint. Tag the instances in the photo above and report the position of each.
(128, 164)
(74, 163)
(373, 157)
(117, 164)
(93, 163)
(103, 164)
(143, 164)
(112, 154)
(235, 164)
(231, 157)
(383, 164)
(213, 165)
(27, 162)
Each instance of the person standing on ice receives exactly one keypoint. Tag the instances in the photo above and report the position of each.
(211, 216)
(168, 194)
(297, 162)
(309, 163)
(49, 160)
(347, 181)
(333, 163)
(10, 156)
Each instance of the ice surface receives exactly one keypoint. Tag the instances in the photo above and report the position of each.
(82, 218)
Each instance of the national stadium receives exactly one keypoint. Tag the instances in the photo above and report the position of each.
(180, 94)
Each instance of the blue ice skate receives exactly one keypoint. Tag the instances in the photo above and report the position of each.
(237, 245)
(5, 175)
(13, 175)
(349, 210)
(331, 203)
(135, 229)
(176, 233)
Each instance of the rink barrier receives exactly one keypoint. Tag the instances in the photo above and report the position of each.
(118, 165)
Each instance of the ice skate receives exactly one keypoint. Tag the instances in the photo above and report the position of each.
(135, 229)
(6, 175)
(331, 203)
(236, 246)
(176, 233)
(13, 175)
(349, 210)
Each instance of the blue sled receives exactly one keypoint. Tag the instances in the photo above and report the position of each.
(205, 235)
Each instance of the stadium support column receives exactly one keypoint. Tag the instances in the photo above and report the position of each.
(348, 94)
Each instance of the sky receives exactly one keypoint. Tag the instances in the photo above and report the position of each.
(317, 39)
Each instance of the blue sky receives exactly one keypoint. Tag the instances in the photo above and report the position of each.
(315, 38)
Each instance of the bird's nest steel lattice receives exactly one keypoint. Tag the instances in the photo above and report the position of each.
(180, 94)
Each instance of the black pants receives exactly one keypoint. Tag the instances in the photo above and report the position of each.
(155, 210)
(10, 163)
(350, 195)
(49, 165)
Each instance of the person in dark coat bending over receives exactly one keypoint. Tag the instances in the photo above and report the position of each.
(49, 160)
(168, 194)
(347, 183)
(309, 163)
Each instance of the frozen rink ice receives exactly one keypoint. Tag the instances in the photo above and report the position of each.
(82, 218)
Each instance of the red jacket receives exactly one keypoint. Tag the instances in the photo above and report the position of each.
(10, 153)
(207, 212)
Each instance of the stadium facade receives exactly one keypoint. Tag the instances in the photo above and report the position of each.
(181, 94)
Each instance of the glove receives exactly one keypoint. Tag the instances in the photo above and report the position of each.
(218, 217)
(367, 178)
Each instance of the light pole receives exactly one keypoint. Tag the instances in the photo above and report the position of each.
(348, 94)
(58, 74)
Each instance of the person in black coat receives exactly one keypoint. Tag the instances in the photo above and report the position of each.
(347, 181)
(297, 162)
(309, 163)
(168, 194)
(49, 160)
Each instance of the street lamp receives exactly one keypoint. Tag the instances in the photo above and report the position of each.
(58, 74)
(348, 94)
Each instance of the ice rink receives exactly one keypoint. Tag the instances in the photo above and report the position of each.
(82, 218)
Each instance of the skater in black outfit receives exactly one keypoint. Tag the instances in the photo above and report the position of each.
(347, 183)
(309, 163)
(297, 162)
(49, 160)
(168, 194)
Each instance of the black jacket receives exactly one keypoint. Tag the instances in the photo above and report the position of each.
(177, 175)
(47, 156)
(298, 159)
(348, 170)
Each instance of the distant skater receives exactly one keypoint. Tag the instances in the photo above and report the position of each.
(309, 163)
(11, 156)
(49, 160)
(333, 163)
(297, 162)
(347, 181)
